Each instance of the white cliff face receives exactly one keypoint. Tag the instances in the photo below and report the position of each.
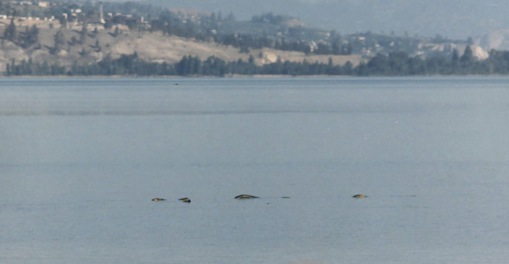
(479, 53)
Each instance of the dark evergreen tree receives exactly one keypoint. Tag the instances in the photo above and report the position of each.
(30, 37)
(59, 40)
(378, 65)
(83, 33)
(468, 55)
(10, 32)
(348, 68)
(455, 61)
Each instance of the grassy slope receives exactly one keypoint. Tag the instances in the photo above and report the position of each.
(149, 46)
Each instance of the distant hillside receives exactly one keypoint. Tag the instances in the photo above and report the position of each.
(457, 19)
(71, 35)
(150, 46)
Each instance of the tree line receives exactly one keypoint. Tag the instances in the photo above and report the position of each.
(391, 64)
(132, 65)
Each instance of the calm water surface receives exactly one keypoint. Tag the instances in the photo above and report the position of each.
(80, 160)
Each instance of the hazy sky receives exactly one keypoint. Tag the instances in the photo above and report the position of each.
(451, 18)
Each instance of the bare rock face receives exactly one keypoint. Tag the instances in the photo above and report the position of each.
(479, 53)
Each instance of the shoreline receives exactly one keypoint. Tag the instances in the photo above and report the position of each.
(257, 76)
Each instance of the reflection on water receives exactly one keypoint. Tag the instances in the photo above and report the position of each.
(81, 160)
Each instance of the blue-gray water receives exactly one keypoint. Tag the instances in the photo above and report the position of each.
(80, 160)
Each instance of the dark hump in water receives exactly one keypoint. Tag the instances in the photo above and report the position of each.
(360, 196)
(245, 196)
(185, 200)
(158, 199)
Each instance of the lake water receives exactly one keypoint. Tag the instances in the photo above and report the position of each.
(81, 159)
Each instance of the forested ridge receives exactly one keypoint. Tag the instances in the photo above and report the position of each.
(76, 47)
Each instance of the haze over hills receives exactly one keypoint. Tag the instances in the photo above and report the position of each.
(457, 19)
(112, 38)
